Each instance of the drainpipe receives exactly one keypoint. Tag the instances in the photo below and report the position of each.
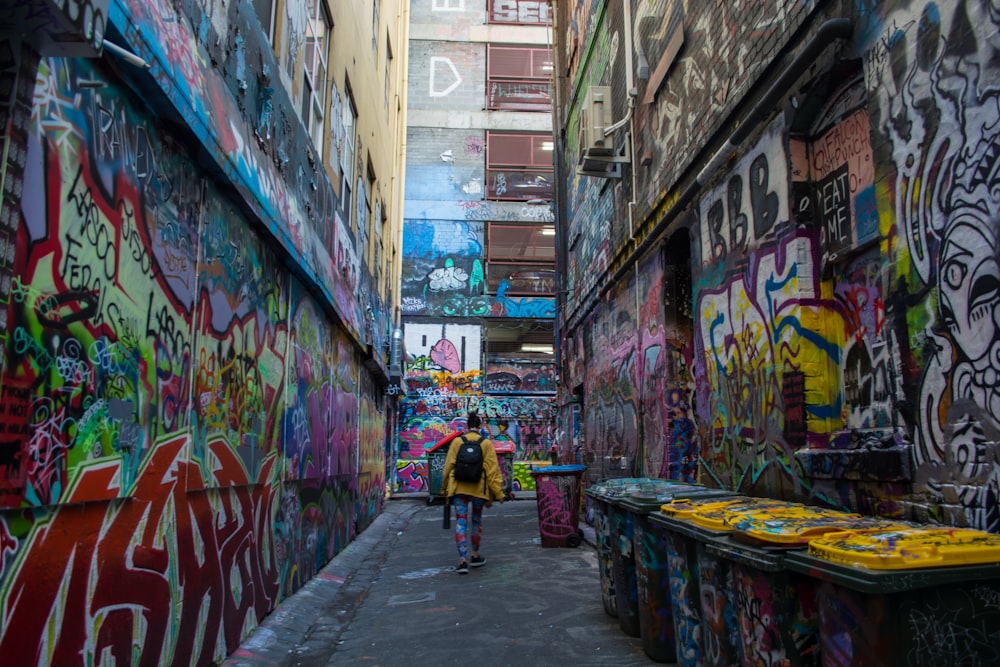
(630, 116)
(831, 31)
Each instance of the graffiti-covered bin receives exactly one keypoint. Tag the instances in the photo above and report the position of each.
(505, 458)
(915, 596)
(657, 629)
(624, 549)
(775, 609)
(614, 546)
(702, 591)
(436, 455)
(776, 606)
(600, 495)
(557, 490)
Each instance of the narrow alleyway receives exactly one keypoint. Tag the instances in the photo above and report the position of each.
(393, 598)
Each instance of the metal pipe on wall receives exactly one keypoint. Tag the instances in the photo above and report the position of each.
(829, 32)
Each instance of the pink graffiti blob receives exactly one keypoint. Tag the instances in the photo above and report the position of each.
(445, 355)
(554, 518)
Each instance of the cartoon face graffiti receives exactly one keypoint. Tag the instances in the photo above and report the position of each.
(969, 284)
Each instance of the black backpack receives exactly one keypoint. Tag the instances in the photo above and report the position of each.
(469, 461)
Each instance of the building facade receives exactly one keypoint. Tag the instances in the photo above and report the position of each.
(781, 241)
(479, 272)
(200, 251)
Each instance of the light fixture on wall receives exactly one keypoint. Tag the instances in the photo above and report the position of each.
(537, 347)
(125, 55)
(548, 231)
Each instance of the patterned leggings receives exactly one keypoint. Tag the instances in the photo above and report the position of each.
(463, 533)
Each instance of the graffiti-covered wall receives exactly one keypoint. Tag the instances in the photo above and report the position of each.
(523, 427)
(931, 73)
(454, 318)
(188, 434)
(841, 273)
(637, 391)
(443, 275)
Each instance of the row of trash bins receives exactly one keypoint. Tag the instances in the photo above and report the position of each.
(707, 577)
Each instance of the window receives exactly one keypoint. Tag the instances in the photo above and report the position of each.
(388, 71)
(518, 166)
(370, 190)
(520, 356)
(378, 218)
(290, 47)
(519, 78)
(314, 79)
(520, 259)
(448, 5)
(361, 214)
(525, 12)
(365, 192)
(349, 118)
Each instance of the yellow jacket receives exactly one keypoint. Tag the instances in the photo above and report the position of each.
(492, 490)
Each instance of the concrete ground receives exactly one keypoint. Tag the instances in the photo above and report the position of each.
(392, 597)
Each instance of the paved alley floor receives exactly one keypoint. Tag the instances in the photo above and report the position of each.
(392, 597)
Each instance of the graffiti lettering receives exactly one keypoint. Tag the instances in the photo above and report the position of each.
(520, 11)
(99, 235)
(834, 207)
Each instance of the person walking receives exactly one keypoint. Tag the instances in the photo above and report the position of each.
(472, 481)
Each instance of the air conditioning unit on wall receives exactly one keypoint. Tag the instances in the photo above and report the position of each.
(595, 118)
(597, 146)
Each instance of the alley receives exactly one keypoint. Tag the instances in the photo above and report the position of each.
(393, 598)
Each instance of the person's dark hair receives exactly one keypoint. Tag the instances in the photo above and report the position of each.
(473, 419)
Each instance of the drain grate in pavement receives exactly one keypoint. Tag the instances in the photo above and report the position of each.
(397, 600)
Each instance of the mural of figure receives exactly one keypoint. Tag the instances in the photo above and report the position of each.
(938, 96)
(946, 184)
(969, 284)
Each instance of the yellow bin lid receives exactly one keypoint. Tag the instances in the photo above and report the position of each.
(683, 508)
(908, 548)
(717, 514)
(796, 526)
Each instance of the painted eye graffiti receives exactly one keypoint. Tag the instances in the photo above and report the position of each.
(954, 274)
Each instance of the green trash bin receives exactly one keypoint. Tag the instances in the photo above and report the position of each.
(701, 586)
(913, 596)
(775, 609)
(505, 459)
(600, 495)
(622, 526)
(557, 490)
(657, 629)
(775, 606)
(436, 455)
